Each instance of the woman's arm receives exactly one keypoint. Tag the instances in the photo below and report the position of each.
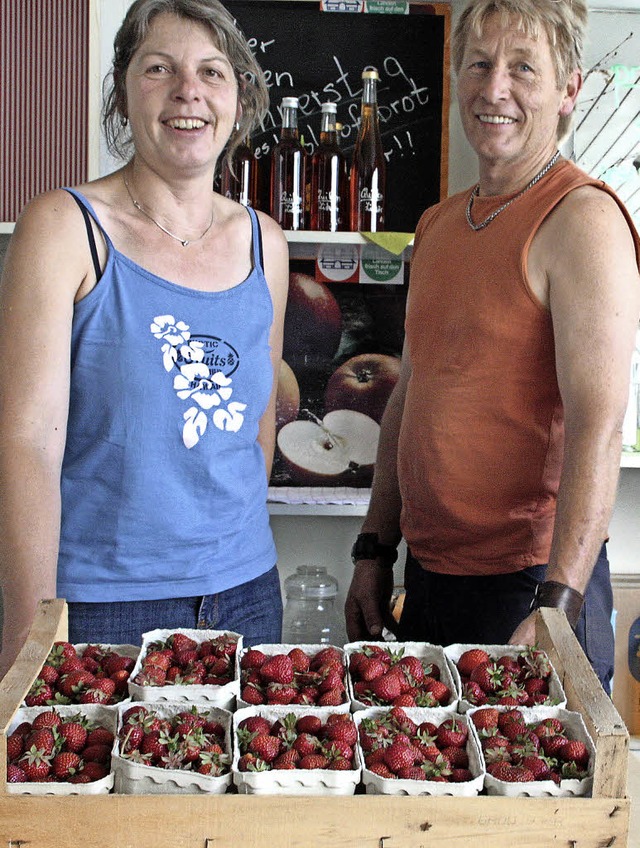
(45, 267)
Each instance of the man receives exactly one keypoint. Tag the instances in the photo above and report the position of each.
(500, 446)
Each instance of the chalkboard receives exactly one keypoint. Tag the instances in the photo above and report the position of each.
(319, 56)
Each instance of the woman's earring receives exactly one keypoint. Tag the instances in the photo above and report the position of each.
(124, 121)
(237, 126)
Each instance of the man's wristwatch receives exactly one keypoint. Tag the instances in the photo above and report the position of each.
(367, 546)
(559, 595)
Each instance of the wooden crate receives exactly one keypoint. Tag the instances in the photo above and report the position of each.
(360, 821)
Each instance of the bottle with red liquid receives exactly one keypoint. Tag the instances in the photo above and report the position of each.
(329, 179)
(289, 171)
(368, 167)
(240, 181)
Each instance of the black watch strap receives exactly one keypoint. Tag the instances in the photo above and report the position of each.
(367, 546)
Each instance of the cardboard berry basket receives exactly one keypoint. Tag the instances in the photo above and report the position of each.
(376, 785)
(576, 729)
(425, 652)
(455, 651)
(272, 649)
(132, 778)
(282, 821)
(98, 714)
(223, 696)
(321, 782)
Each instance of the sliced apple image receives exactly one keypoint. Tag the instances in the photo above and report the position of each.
(339, 450)
(363, 383)
(287, 397)
(312, 323)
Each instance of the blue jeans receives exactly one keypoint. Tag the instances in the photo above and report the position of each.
(445, 609)
(253, 609)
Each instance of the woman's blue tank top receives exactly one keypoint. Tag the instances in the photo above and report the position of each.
(164, 484)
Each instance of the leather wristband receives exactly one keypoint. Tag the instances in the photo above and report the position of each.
(559, 595)
(367, 546)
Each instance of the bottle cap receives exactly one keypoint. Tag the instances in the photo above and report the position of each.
(329, 107)
(370, 73)
(290, 102)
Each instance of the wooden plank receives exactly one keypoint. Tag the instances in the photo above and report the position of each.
(49, 625)
(586, 695)
(365, 821)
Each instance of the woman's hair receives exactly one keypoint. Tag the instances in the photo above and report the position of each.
(252, 89)
(564, 21)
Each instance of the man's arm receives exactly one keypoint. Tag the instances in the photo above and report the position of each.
(43, 270)
(367, 604)
(594, 298)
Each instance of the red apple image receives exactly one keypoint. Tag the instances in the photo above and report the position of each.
(340, 450)
(363, 383)
(287, 397)
(312, 323)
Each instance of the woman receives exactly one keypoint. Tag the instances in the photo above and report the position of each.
(137, 445)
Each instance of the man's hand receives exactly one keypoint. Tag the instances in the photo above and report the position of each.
(525, 632)
(367, 608)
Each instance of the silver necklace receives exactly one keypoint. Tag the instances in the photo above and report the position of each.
(495, 214)
(183, 242)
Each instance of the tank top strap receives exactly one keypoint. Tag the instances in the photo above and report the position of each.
(87, 210)
(256, 239)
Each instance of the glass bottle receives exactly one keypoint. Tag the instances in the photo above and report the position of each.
(310, 613)
(368, 169)
(240, 182)
(329, 179)
(288, 171)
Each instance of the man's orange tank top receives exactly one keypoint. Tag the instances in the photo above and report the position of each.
(481, 441)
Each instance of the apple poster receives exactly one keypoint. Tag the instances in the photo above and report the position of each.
(341, 361)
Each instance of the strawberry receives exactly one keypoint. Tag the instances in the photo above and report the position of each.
(39, 694)
(538, 766)
(280, 693)
(97, 753)
(469, 659)
(488, 675)
(382, 770)
(99, 736)
(413, 667)
(277, 669)
(452, 733)
(94, 770)
(411, 773)
(73, 735)
(71, 664)
(15, 746)
(181, 642)
(314, 761)
(399, 755)
(253, 694)
(553, 745)
(439, 690)
(460, 775)
(252, 658)
(485, 719)
(458, 757)
(256, 724)
(329, 656)
(287, 760)
(309, 724)
(265, 748)
(575, 751)
(474, 693)
(305, 744)
(332, 698)
(549, 727)
(65, 764)
(41, 740)
(60, 651)
(370, 668)
(49, 674)
(301, 661)
(15, 774)
(75, 682)
(386, 687)
(47, 718)
(35, 765)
